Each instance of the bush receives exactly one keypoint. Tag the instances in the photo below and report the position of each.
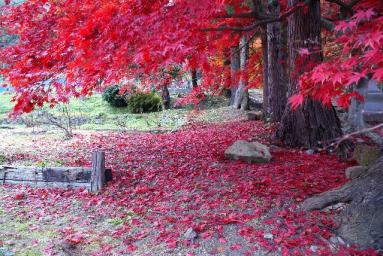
(113, 97)
(144, 103)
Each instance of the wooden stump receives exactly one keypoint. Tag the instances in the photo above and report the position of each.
(98, 171)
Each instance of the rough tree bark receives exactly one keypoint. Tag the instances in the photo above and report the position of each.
(234, 67)
(226, 91)
(241, 99)
(266, 88)
(165, 96)
(194, 78)
(312, 122)
(362, 217)
(276, 71)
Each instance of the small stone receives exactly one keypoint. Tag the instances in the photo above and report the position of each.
(98, 121)
(310, 151)
(314, 248)
(360, 140)
(10, 242)
(335, 207)
(341, 241)
(334, 240)
(47, 219)
(268, 236)
(190, 234)
(355, 172)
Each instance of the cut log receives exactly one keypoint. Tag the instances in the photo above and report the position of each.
(51, 184)
(93, 179)
(58, 177)
(362, 218)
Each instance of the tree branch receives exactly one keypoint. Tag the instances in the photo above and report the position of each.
(237, 15)
(240, 29)
(340, 3)
(327, 24)
(338, 141)
(261, 21)
(353, 3)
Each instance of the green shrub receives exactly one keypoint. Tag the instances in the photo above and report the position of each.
(113, 97)
(3, 159)
(144, 103)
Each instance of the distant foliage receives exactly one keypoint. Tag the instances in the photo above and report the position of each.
(144, 103)
(113, 97)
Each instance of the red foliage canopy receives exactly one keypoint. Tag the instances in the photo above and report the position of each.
(361, 41)
(71, 47)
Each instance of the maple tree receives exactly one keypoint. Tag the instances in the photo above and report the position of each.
(361, 38)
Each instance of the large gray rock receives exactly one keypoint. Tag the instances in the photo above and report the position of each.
(355, 171)
(251, 152)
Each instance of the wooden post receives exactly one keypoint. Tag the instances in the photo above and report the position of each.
(98, 171)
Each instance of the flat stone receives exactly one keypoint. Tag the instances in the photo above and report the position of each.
(334, 240)
(310, 152)
(268, 236)
(251, 152)
(355, 172)
(314, 248)
(341, 241)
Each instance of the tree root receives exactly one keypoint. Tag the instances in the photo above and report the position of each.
(362, 218)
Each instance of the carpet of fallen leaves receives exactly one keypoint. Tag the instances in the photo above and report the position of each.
(166, 183)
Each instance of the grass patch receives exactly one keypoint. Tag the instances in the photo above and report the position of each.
(5, 104)
(116, 221)
(93, 113)
(3, 159)
(29, 252)
(22, 227)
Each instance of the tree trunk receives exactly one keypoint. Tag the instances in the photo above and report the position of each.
(234, 67)
(276, 71)
(266, 87)
(362, 217)
(312, 121)
(194, 78)
(165, 96)
(242, 95)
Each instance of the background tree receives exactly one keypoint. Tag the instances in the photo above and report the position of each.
(275, 70)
